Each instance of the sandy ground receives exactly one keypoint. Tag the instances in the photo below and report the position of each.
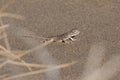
(97, 20)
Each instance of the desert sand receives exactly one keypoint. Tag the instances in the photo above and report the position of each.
(96, 53)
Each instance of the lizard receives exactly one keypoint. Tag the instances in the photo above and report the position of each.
(63, 38)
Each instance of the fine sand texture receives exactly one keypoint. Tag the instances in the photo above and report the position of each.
(25, 24)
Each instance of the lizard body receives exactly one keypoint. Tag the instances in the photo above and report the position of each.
(64, 38)
(68, 36)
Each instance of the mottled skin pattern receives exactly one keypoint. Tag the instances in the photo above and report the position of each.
(64, 38)
(68, 36)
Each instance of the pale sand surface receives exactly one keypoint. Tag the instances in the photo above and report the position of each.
(97, 20)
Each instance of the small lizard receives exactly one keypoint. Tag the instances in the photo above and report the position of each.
(64, 38)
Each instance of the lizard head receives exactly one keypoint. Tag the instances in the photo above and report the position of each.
(73, 34)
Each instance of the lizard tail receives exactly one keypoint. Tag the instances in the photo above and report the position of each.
(35, 37)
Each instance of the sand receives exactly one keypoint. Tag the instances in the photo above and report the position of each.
(97, 20)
